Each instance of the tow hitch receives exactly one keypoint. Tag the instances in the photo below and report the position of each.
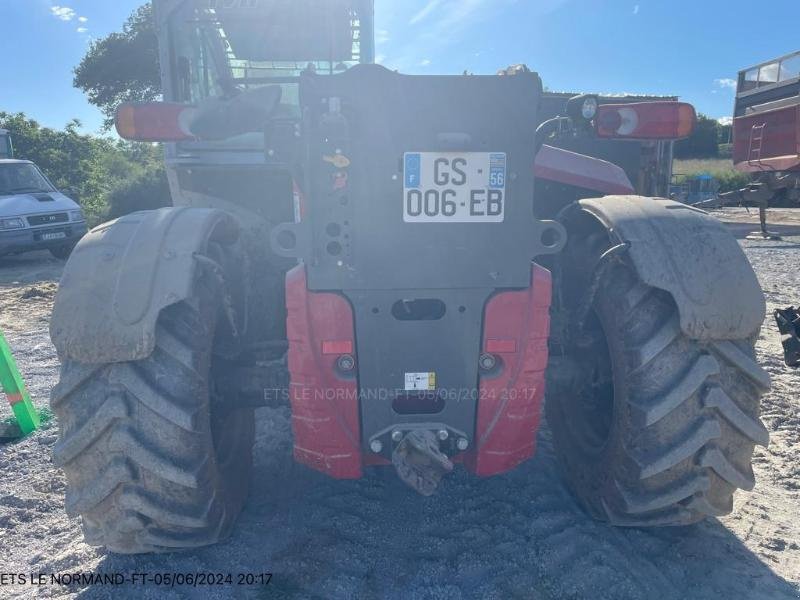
(419, 461)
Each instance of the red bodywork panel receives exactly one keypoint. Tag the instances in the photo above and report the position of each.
(778, 148)
(582, 171)
(325, 408)
(510, 407)
(325, 417)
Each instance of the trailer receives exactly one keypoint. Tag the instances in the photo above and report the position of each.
(766, 135)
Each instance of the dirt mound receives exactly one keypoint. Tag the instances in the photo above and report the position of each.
(46, 291)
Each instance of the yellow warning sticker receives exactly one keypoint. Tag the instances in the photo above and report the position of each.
(340, 161)
(420, 382)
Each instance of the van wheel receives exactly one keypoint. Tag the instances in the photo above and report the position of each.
(62, 252)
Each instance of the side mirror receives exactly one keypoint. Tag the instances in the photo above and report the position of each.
(583, 108)
(222, 118)
(213, 119)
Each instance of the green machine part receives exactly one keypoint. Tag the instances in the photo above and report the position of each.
(14, 388)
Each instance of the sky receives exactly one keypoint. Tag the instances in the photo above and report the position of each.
(692, 49)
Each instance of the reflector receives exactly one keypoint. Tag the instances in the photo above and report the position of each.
(645, 120)
(337, 347)
(501, 346)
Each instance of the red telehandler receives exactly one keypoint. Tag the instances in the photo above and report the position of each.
(409, 262)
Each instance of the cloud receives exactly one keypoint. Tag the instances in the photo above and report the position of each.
(725, 83)
(381, 36)
(67, 14)
(426, 10)
(380, 59)
(445, 22)
(425, 62)
(725, 120)
(635, 9)
(462, 12)
(64, 13)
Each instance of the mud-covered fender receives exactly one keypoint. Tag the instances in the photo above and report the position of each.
(691, 255)
(123, 274)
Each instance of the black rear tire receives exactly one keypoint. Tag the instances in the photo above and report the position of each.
(662, 429)
(153, 463)
(62, 252)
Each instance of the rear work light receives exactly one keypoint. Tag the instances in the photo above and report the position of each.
(154, 121)
(645, 120)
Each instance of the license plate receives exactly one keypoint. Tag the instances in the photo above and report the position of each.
(454, 187)
(58, 235)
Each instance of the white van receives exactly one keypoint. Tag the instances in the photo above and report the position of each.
(34, 215)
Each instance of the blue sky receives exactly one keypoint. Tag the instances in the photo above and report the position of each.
(678, 47)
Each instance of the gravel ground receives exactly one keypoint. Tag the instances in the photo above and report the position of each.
(515, 536)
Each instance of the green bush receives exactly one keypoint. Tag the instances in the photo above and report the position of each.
(148, 191)
(702, 142)
(721, 169)
(731, 180)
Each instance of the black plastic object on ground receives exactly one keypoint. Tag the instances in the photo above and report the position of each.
(789, 325)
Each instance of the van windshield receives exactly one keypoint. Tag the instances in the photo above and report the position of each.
(22, 178)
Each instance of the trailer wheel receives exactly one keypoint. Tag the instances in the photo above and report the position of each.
(154, 461)
(657, 428)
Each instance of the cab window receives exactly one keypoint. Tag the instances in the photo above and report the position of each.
(240, 46)
(790, 68)
(768, 74)
(748, 80)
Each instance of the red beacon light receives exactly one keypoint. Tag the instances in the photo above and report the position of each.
(645, 120)
(154, 121)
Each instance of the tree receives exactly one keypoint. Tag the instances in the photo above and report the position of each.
(724, 133)
(95, 171)
(703, 143)
(69, 159)
(148, 191)
(122, 67)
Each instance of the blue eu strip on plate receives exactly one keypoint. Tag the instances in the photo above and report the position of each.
(413, 168)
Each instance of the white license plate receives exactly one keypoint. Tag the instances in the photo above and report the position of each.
(58, 235)
(454, 187)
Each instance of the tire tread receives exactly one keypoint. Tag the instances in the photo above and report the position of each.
(692, 424)
(140, 465)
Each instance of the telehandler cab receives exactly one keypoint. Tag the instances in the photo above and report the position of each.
(403, 260)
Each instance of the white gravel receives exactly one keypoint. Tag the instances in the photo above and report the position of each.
(516, 536)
